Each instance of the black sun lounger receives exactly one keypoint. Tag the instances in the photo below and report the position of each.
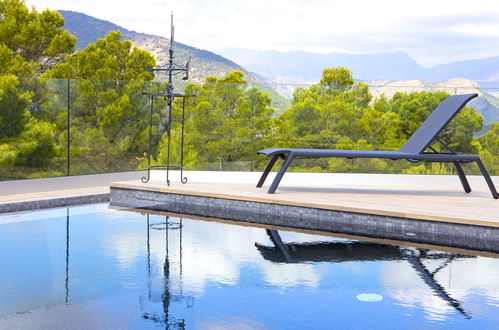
(413, 150)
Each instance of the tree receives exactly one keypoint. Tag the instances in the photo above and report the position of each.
(339, 77)
(13, 64)
(322, 114)
(340, 114)
(108, 58)
(31, 42)
(414, 108)
(489, 148)
(38, 144)
(14, 104)
(226, 124)
(107, 80)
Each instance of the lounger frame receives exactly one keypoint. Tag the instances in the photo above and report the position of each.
(413, 150)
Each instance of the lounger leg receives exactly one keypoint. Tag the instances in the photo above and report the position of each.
(488, 179)
(462, 177)
(280, 174)
(276, 239)
(267, 170)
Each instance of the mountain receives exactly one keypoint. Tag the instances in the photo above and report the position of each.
(301, 67)
(484, 71)
(307, 67)
(286, 67)
(281, 71)
(203, 63)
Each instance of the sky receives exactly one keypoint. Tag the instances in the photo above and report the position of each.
(431, 31)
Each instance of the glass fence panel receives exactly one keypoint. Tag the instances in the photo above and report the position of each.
(124, 125)
(356, 117)
(33, 128)
(109, 126)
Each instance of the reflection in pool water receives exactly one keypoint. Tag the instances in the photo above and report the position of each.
(92, 267)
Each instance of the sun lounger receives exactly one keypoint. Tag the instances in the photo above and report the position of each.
(414, 150)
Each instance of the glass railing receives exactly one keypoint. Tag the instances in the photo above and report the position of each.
(58, 127)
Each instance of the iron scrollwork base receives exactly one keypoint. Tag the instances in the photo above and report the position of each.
(183, 179)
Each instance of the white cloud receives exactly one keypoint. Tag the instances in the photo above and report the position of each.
(206, 263)
(461, 279)
(359, 26)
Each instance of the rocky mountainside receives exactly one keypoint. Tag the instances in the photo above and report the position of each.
(203, 63)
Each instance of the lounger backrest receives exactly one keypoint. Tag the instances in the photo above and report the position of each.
(435, 123)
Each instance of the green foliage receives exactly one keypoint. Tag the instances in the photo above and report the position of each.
(414, 108)
(337, 78)
(489, 148)
(13, 64)
(226, 123)
(108, 121)
(108, 59)
(107, 113)
(107, 107)
(339, 114)
(38, 145)
(31, 42)
(13, 107)
(8, 156)
(335, 108)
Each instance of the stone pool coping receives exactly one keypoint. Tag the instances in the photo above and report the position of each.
(52, 199)
(34, 194)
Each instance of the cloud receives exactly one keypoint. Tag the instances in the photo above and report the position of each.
(404, 284)
(430, 31)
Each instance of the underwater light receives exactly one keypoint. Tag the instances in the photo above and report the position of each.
(369, 297)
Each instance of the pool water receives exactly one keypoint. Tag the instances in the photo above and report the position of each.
(91, 267)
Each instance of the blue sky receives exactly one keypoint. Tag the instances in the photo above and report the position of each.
(430, 31)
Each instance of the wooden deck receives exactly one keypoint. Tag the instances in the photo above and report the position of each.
(446, 204)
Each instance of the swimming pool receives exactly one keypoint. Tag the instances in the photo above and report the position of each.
(95, 267)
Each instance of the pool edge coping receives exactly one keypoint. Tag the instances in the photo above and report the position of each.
(46, 203)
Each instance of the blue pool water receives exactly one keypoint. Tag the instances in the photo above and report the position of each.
(92, 267)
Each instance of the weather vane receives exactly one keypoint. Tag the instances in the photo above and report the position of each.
(170, 69)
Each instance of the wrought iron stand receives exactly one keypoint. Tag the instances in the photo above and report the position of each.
(171, 69)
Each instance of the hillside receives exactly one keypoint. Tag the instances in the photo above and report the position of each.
(203, 63)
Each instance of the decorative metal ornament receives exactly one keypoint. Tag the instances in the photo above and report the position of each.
(170, 69)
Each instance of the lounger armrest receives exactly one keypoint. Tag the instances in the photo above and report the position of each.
(273, 151)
